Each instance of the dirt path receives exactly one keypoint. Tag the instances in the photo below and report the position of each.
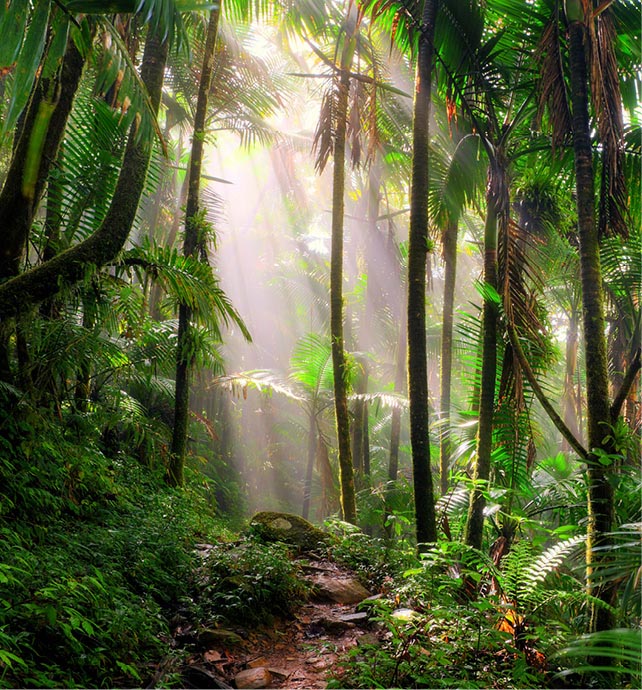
(295, 654)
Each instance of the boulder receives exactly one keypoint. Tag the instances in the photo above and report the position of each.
(340, 591)
(253, 678)
(289, 529)
(210, 638)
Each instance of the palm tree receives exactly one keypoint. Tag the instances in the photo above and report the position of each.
(591, 30)
(331, 136)
(46, 279)
(194, 244)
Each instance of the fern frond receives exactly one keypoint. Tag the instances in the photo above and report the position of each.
(551, 559)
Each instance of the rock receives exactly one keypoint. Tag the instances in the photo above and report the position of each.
(289, 529)
(344, 591)
(334, 626)
(356, 618)
(209, 638)
(404, 615)
(253, 678)
(279, 673)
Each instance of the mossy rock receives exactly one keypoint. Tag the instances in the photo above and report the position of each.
(289, 529)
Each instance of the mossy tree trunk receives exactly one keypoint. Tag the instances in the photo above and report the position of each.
(346, 470)
(48, 110)
(426, 528)
(600, 490)
(69, 267)
(191, 248)
(490, 310)
(449, 243)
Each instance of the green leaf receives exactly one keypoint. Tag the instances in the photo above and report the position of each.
(12, 30)
(27, 65)
(56, 51)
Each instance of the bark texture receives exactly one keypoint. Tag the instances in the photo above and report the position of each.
(449, 243)
(475, 521)
(190, 248)
(600, 504)
(52, 98)
(426, 528)
(346, 470)
(70, 266)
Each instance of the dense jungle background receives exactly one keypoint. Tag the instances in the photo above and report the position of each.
(374, 263)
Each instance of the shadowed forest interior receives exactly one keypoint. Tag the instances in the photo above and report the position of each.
(374, 264)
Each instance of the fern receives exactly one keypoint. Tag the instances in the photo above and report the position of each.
(551, 559)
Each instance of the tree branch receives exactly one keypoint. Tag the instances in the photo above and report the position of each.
(540, 395)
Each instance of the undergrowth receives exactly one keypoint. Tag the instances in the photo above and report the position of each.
(95, 555)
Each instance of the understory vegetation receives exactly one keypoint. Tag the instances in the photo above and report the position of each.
(107, 575)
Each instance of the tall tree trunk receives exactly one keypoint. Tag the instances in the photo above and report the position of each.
(312, 451)
(600, 502)
(475, 521)
(449, 243)
(395, 423)
(346, 471)
(426, 528)
(48, 108)
(69, 267)
(191, 248)
(572, 407)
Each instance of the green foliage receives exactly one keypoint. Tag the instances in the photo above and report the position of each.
(606, 655)
(249, 583)
(95, 557)
(375, 561)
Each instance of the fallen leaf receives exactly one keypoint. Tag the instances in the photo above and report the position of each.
(211, 655)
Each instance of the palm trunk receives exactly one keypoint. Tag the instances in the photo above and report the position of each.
(572, 409)
(312, 450)
(190, 248)
(600, 501)
(449, 242)
(70, 266)
(426, 528)
(395, 424)
(475, 521)
(49, 107)
(346, 471)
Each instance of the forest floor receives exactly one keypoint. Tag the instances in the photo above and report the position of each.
(295, 653)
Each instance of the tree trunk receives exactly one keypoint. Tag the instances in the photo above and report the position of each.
(475, 521)
(426, 528)
(49, 107)
(346, 471)
(600, 502)
(191, 248)
(70, 266)
(312, 452)
(449, 242)
(572, 407)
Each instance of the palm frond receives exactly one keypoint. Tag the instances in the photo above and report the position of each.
(618, 651)
(553, 91)
(311, 364)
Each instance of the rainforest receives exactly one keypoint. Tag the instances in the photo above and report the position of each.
(320, 344)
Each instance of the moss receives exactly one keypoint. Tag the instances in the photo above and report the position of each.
(289, 529)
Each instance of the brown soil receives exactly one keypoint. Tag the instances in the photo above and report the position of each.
(297, 653)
